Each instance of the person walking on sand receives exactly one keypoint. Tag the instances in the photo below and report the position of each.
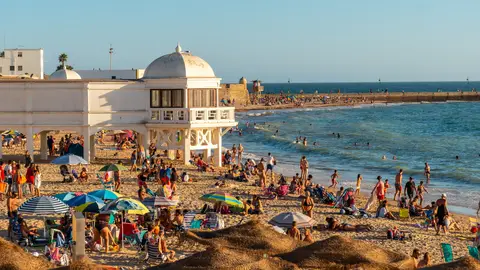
(441, 214)
(379, 189)
(334, 178)
(133, 160)
(38, 180)
(427, 172)
(359, 183)
(398, 185)
(420, 190)
(234, 154)
(304, 169)
(410, 189)
(261, 173)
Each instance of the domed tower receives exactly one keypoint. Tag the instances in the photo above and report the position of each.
(64, 74)
(185, 113)
(243, 80)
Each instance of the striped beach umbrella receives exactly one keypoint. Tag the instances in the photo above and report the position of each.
(129, 205)
(43, 205)
(222, 197)
(284, 220)
(90, 207)
(159, 201)
(105, 194)
(82, 199)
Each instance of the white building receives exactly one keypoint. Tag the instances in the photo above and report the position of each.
(175, 105)
(114, 74)
(20, 61)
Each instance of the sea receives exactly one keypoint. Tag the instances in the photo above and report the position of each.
(414, 133)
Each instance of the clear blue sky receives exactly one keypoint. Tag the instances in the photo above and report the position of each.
(273, 40)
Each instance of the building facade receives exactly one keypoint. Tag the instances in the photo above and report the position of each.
(22, 62)
(114, 74)
(175, 105)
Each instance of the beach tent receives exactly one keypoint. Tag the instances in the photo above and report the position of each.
(75, 149)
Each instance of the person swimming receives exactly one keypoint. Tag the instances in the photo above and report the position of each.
(338, 135)
(305, 141)
(296, 140)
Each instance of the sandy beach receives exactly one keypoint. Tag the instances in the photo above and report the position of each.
(425, 241)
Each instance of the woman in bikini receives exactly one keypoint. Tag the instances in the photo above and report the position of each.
(304, 169)
(307, 205)
(420, 190)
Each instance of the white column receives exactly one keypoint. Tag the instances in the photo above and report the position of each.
(186, 146)
(43, 145)
(217, 152)
(86, 144)
(92, 148)
(29, 134)
(146, 142)
(1, 146)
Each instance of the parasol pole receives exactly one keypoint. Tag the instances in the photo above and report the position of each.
(123, 229)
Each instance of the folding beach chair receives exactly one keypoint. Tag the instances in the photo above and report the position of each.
(404, 213)
(447, 252)
(106, 185)
(473, 251)
(153, 253)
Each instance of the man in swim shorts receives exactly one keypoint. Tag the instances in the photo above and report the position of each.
(427, 172)
(398, 185)
(410, 189)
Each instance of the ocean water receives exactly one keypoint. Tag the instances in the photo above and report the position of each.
(365, 87)
(415, 133)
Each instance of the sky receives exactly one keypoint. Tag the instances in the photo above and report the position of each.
(271, 40)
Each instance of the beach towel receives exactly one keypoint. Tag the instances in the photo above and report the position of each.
(370, 202)
(447, 252)
(473, 251)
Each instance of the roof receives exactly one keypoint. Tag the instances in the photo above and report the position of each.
(65, 74)
(179, 64)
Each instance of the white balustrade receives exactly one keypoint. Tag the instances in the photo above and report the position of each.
(193, 115)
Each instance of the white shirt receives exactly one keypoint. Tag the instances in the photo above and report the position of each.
(8, 170)
(270, 161)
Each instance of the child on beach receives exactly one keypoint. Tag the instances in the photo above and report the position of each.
(334, 178)
(420, 190)
(386, 186)
(359, 182)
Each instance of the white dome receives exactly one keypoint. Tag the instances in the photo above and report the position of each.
(65, 74)
(178, 65)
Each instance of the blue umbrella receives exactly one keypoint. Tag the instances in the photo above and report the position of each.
(69, 159)
(66, 196)
(105, 194)
(82, 199)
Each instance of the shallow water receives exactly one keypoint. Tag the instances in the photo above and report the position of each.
(414, 133)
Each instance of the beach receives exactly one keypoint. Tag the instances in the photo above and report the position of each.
(425, 241)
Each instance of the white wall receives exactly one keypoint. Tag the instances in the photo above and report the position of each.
(31, 62)
(125, 74)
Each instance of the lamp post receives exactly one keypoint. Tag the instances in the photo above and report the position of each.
(110, 51)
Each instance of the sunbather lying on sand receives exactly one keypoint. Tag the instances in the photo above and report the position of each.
(335, 225)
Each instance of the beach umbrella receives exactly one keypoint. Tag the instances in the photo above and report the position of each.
(11, 133)
(43, 205)
(129, 205)
(90, 207)
(284, 220)
(116, 132)
(222, 197)
(84, 198)
(66, 196)
(113, 168)
(69, 159)
(160, 201)
(105, 194)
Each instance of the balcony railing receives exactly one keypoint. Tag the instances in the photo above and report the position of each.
(193, 115)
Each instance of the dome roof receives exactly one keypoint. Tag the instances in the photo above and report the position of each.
(65, 74)
(242, 80)
(178, 65)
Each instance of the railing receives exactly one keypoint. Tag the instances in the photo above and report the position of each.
(193, 115)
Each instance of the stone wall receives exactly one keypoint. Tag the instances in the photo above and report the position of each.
(237, 91)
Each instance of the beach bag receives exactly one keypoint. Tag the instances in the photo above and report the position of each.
(3, 187)
(22, 179)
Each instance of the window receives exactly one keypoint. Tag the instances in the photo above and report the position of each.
(12, 68)
(166, 98)
(200, 98)
(20, 68)
(20, 54)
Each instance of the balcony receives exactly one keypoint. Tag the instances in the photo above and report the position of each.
(192, 115)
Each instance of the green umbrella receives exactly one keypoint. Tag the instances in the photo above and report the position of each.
(113, 168)
(222, 197)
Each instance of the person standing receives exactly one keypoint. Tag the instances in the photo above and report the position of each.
(398, 185)
(261, 173)
(303, 169)
(3, 185)
(37, 180)
(116, 179)
(271, 163)
(410, 189)
(234, 154)
(379, 189)
(28, 159)
(307, 205)
(133, 160)
(427, 172)
(31, 178)
(359, 183)
(8, 176)
(420, 190)
(441, 214)
(240, 153)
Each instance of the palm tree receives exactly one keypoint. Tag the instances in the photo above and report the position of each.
(59, 67)
(62, 58)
